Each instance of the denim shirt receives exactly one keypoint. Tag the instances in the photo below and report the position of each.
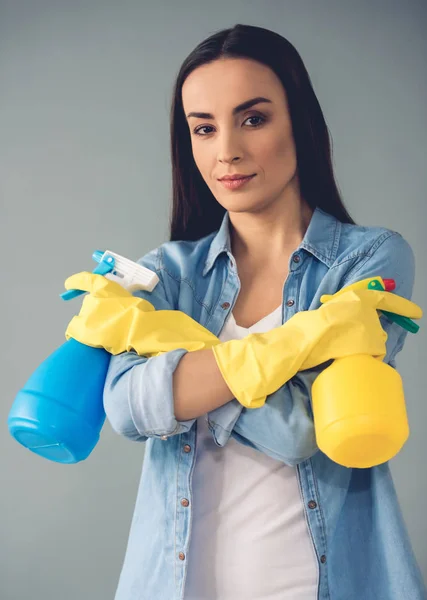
(353, 515)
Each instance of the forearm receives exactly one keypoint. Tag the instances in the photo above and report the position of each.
(198, 386)
(282, 428)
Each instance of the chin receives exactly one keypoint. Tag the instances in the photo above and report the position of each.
(242, 203)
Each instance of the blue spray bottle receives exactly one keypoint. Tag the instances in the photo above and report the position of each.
(59, 413)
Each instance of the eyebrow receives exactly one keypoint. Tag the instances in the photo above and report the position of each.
(236, 110)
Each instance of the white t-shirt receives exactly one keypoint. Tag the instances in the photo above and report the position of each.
(249, 536)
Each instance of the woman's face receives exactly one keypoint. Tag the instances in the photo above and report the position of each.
(253, 140)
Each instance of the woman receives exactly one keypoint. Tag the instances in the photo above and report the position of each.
(233, 503)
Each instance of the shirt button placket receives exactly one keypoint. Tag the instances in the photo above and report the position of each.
(230, 289)
(186, 448)
(290, 286)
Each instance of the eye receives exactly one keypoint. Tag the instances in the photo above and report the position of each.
(198, 129)
(261, 120)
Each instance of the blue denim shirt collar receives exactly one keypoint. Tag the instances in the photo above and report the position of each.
(321, 239)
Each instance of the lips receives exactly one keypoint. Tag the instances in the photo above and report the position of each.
(234, 177)
(236, 182)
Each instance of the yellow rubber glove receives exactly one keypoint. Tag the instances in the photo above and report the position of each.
(348, 324)
(114, 319)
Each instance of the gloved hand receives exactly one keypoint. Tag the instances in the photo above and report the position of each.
(347, 324)
(114, 319)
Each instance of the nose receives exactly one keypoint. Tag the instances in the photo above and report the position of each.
(228, 151)
(229, 160)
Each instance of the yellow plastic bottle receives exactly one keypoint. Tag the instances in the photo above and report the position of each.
(359, 409)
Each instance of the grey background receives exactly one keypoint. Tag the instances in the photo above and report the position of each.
(85, 89)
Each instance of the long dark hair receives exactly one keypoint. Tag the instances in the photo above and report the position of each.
(195, 211)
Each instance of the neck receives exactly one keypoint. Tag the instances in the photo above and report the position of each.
(265, 237)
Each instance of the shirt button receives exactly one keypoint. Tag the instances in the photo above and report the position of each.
(290, 302)
(187, 448)
(312, 504)
(181, 556)
(296, 258)
(163, 437)
(185, 502)
(225, 305)
(323, 558)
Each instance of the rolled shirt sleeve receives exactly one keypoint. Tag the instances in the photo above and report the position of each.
(138, 391)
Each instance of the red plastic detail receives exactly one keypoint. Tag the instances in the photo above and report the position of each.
(389, 284)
